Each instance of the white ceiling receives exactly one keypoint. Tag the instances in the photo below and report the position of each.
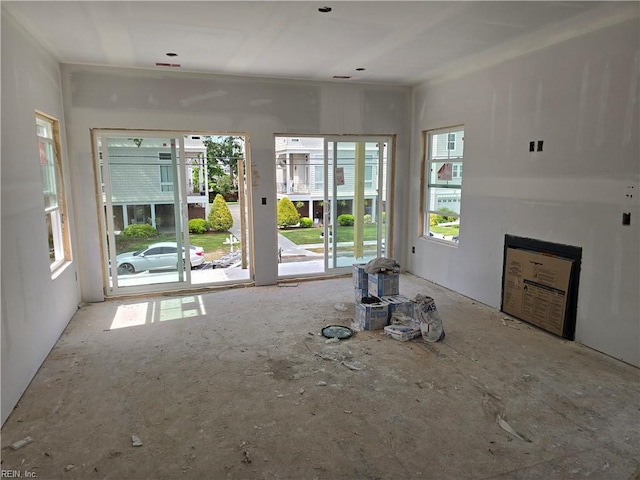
(399, 43)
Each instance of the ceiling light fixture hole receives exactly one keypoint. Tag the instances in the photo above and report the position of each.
(171, 54)
(360, 69)
(324, 9)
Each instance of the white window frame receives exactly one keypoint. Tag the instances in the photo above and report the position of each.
(48, 139)
(429, 162)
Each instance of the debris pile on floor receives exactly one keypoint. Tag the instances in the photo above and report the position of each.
(232, 259)
(379, 305)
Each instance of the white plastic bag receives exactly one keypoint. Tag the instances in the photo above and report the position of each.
(382, 264)
(430, 321)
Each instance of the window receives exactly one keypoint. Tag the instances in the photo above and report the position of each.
(318, 175)
(48, 133)
(443, 181)
(166, 173)
(166, 178)
(451, 141)
(368, 177)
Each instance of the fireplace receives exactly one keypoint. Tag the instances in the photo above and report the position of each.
(540, 283)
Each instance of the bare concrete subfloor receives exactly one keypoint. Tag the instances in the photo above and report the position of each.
(237, 384)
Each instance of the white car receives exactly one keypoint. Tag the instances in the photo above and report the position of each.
(157, 256)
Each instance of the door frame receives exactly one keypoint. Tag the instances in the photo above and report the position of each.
(106, 225)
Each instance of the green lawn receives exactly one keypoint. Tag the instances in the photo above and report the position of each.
(209, 241)
(452, 230)
(306, 236)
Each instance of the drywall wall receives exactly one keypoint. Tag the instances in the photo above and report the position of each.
(35, 307)
(98, 97)
(582, 98)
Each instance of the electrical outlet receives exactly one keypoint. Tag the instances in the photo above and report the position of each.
(626, 218)
(532, 146)
(629, 192)
(540, 143)
(264, 200)
(413, 249)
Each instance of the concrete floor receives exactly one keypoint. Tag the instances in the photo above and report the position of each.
(228, 384)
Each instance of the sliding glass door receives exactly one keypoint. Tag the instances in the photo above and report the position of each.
(355, 200)
(143, 205)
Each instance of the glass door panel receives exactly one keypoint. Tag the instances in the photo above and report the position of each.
(355, 193)
(143, 204)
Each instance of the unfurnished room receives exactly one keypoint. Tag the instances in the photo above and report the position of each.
(300, 240)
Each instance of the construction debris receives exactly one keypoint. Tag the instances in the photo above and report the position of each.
(507, 428)
(430, 321)
(352, 366)
(21, 443)
(341, 307)
(135, 441)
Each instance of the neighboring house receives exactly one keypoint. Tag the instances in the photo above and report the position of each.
(448, 148)
(142, 182)
(300, 176)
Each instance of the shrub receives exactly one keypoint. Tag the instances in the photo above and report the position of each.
(445, 218)
(220, 218)
(345, 220)
(141, 230)
(198, 225)
(287, 213)
(367, 218)
(306, 222)
(433, 219)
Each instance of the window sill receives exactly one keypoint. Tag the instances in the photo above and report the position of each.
(440, 241)
(60, 269)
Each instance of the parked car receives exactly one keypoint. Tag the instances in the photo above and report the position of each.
(157, 256)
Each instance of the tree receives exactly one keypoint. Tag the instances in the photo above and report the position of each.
(223, 185)
(287, 213)
(220, 217)
(223, 151)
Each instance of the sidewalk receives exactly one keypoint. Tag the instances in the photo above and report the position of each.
(289, 249)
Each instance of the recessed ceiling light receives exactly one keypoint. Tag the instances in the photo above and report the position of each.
(342, 77)
(324, 9)
(360, 69)
(171, 54)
